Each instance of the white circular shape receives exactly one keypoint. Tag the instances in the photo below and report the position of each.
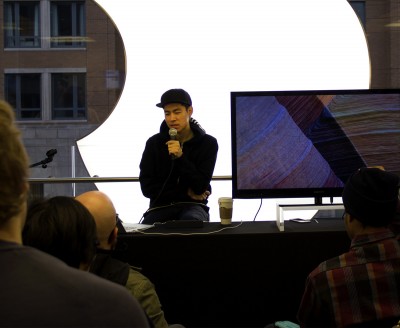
(211, 48)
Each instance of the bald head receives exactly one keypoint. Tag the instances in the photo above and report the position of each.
(103, 211)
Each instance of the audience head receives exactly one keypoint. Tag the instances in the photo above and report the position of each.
(104, 214)
(64, 228)
(371, 196)
(13, 169)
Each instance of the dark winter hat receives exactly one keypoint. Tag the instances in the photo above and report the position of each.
(371, 196)
(179, 96)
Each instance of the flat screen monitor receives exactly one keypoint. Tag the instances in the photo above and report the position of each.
(289, 144)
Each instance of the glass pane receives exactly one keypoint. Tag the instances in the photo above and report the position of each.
(81, 90)
(64, 19)
(30, 96)
(22, 24)
(11, 89)
(69, 96)
(30, 114)
(81, 113)
(10, 27)
(28, 17)
(67, 24)
(30, 90)
(62, 91)
(63, 114)
(22, 91)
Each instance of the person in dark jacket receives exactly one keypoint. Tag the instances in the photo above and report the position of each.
(177, 164)
(360, 288)
(110, 268)
(37, 289)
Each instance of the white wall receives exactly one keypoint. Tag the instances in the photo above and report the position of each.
(211, 48)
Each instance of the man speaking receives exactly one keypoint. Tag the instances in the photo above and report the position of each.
(177, 164)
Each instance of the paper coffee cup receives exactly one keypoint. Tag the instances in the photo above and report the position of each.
(225, 210)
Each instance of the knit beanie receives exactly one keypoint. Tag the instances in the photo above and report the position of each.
(371, 196)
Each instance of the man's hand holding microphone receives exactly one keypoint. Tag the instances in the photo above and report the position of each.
(174, 146)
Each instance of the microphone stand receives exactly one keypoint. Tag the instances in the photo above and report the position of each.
(42, 162)
(50, 154)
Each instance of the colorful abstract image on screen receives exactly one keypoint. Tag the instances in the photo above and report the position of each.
(308, 140)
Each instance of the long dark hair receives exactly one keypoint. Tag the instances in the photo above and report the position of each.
(63, 227)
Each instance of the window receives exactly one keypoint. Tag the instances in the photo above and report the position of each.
(64, 24)
(46, 96)
(68, 94)
(21, 24)
(22, 91)
(67, 24)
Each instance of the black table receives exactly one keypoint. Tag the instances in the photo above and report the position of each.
(246, 276)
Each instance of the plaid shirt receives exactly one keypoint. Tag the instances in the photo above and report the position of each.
(358, 286)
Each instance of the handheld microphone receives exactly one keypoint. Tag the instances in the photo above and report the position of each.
(173, 133)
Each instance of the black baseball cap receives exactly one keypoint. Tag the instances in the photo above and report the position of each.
(371, 195)
(179, 96)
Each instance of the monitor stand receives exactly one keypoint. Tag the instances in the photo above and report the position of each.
(335, 210)
(328, 213)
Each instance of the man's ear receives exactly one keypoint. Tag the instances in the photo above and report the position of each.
(27, 186)
(25, 189)
(190, 111)
(351, 218)
(113, 236)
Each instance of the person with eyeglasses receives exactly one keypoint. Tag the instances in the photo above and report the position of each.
(104, 265)
(38, 289)
(361, 287)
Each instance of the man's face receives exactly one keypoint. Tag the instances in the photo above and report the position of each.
(177, 116)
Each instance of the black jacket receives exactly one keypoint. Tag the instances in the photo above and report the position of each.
(165, 180)
(109, 268)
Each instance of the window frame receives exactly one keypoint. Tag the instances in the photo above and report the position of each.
(17, 104)
(44, 37)
(13, 25)
(47, 94)
(75, 109)
(78, 25)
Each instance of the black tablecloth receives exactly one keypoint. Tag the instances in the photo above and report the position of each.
(247, 275)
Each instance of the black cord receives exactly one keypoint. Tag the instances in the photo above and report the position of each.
(258, 209)
(161, 191)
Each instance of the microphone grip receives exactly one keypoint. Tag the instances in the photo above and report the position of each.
(172, 135)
